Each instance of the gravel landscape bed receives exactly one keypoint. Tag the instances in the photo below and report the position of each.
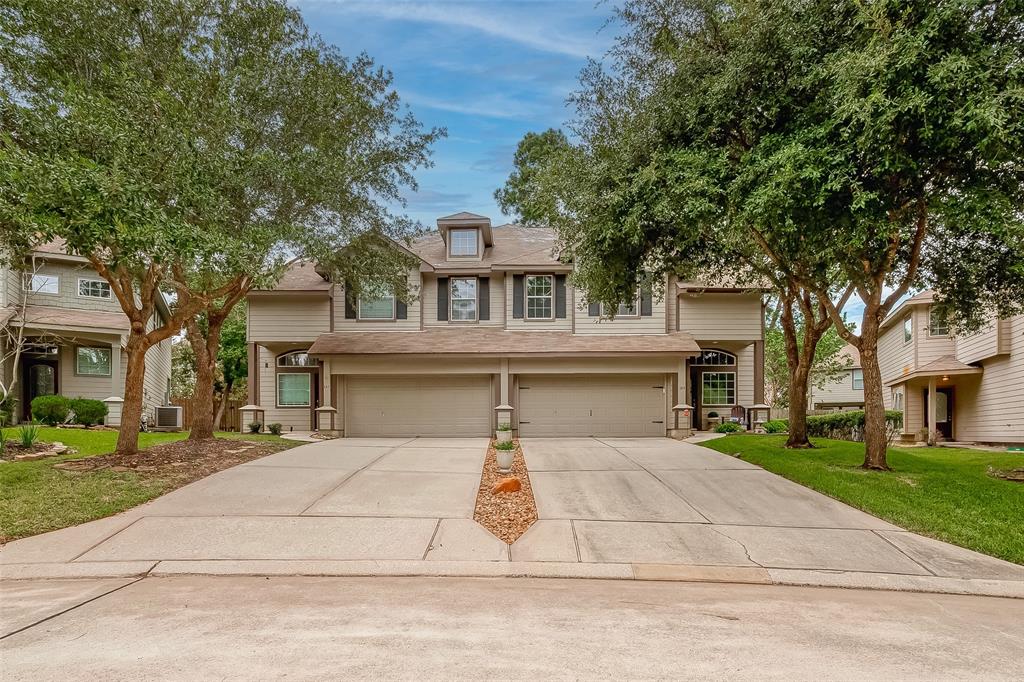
(506, 515)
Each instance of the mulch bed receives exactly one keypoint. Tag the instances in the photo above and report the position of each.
(1015, 475)
(179, 462)
(506, 515)
(13, 449)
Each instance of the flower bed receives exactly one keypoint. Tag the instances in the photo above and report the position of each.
(506, 515)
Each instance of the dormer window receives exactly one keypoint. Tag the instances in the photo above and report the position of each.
(463, 242)
(376, 307)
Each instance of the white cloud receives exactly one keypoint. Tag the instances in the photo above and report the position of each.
(494, 106)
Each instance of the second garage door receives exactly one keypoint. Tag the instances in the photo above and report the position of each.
(591, 405)
(422, 405)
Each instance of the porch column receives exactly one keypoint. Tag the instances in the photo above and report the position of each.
(116, 387)
(325, 414)
(503, 384)
(931, 411)
(681, 393)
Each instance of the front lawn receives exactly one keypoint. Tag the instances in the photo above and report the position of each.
(36, 498)
(945, 493)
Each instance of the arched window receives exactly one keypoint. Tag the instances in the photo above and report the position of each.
(715, 357)
(298, 358)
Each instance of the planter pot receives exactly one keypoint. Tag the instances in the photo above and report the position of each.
(503, 436)
(505, 459)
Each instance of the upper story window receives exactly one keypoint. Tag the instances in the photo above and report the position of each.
(858, 379)
(908, 329)
(463, 299)
(94, 288)
(540, 297)
(463, 242)
(938, 323)
(42, 284)
(715, 357)
(631, 309)
(299, 358)
(379, 307)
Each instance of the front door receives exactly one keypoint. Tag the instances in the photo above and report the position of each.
(39, 378)
(943, 411)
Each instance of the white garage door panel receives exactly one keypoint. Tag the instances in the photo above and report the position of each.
(425, 405)
(591, 405)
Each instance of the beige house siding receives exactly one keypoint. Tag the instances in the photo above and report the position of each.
(411, 323)
(523, 324)
(722, 317)
(990, 407)
(67, 289)
(289, 317)
(839, 392)
(982, 344)
(895, 358)
(290, 418)
(929, 347)
(641, 324)
(496, 301)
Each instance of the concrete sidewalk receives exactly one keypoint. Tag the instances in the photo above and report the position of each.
(646, 509)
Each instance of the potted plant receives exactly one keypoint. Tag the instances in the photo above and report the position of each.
(505, 451)
(503, 433)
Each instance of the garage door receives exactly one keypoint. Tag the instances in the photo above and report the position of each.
(591, 405)
(424, 405)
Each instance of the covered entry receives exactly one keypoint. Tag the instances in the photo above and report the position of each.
(418, 405)
(591, 405)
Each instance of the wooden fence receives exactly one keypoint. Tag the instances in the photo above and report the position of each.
(230, 422)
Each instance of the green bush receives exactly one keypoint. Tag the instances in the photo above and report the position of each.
(728, 427)
(7, 406)
(776, 426)
(255, 427)
(88, 411)
(28, 434)
(848, 425)
(275, 428)
(51, 409)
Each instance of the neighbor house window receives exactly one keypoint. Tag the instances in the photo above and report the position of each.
(92, 362)
(718, 388)
(938, 324)
(94, 288)
(540, 297)
(293, 389)
(380, 307)
(297, 358)
(42, 284)
(858, 379)
(908, 329)
(462, 242)
(463, 299)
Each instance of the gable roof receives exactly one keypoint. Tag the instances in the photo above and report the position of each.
(925, 297)
(513, 246)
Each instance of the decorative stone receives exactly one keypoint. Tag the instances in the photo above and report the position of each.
(507, 485)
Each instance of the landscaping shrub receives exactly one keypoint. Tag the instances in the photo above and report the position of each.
(505, 445)
(504, 426)
(28, 434)
(274, 429)
(728, 427)
(849, 425)
(255, 427)
(7, 406)
(776, 426)
(51, 409)
(88, 411)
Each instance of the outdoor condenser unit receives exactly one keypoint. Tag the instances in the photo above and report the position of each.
(168, 418)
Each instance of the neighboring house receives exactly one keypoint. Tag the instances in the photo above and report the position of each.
(74, 334)
(970, 387)
(846, 392)
(494, 326)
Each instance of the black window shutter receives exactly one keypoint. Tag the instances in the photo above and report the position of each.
(594, 310)
(517, 297)
(350, 302)
(484, 298)
(646, 303)
(401, 310)
(442, 299)
(560, 296)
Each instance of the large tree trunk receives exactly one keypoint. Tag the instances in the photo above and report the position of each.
(225, 396)
(799, 359)
(134, 385)
(205, 349)
(875, 438)
(798, 411)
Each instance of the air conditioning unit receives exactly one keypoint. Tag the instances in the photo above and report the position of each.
(168, 418)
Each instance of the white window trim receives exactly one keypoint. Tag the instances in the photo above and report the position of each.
(277, 390)
(698, 360)
(853, 379)
(476, 242)
(394, 310)
(26, 283)
(734, 390)
(526, 299)
(110, 293)
(108, 349)
(476, 300)
(908, 323)
(624, 316)
(931, 326)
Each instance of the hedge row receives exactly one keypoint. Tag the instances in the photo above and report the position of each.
(56, 409)
(840, 425)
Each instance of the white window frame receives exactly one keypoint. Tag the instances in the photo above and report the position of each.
(97, 281)
(28, 283)
(932, 326)
(703, 401)
(475, 232)
(699, 360)
(897, 401)
(854, 375)
(78, 358)
(908, 329)
(452, 299)
(625, 315)
(309, 392)
(527, 296)
(359, 309)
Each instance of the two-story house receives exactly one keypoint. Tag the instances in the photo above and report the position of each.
(968, 386)
(846, 391)
(73, 333)
(494, 327)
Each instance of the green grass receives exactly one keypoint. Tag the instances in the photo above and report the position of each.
(36, 498)
(945, 493)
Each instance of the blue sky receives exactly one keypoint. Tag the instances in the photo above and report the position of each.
(487, 71)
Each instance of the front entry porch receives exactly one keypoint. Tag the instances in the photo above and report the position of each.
(928, 399)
